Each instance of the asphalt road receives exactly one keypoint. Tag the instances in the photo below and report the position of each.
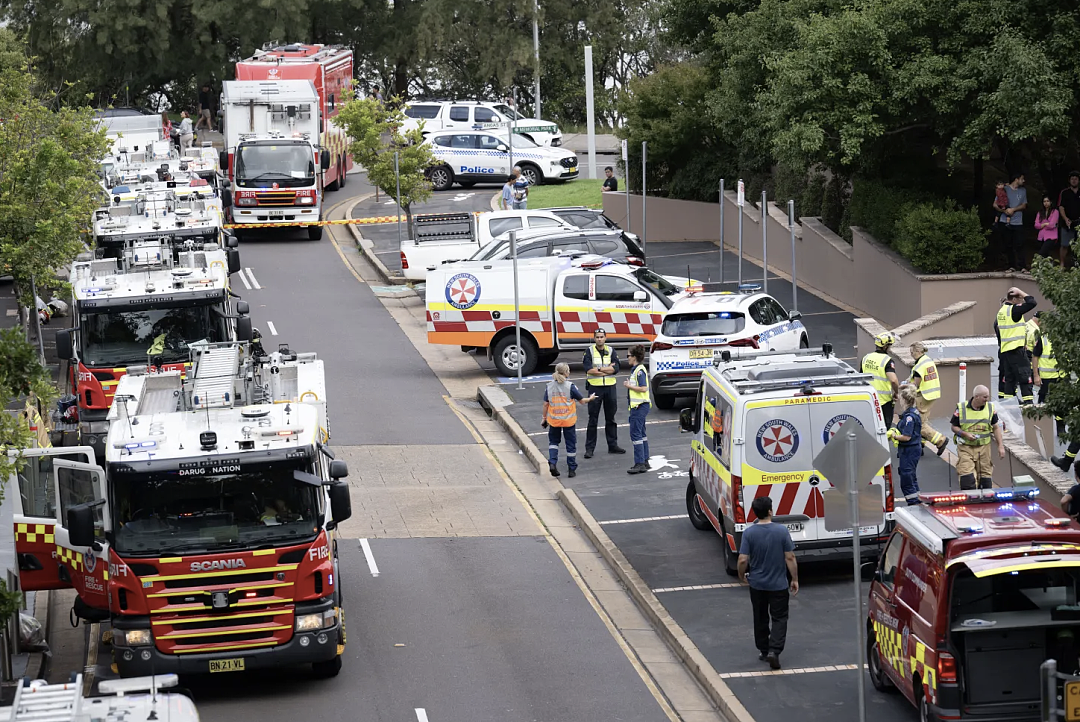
(459, 629)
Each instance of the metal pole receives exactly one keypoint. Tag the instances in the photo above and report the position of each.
(589, 112)
(740, 212)
(536, 55)
(853, 497)
(644, 194)
(397, 178)
(722, 230)
(626, 181)
(1048, 679)
(794, 283)
(764, 240)
(510, 132)
(517, 309)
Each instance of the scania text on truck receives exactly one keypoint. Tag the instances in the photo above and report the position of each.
(271, 154)
(211, 547)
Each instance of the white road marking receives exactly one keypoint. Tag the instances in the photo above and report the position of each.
(643, 518)
(273, 329)
(251, 275)
(421, 715)
(696, 587)
(370, 557)
(796, 670)
(243, 279)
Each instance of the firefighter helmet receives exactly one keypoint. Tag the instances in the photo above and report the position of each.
(884, 340)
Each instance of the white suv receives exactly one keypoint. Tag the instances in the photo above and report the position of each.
(476, 115)
(704, 323)
(477, 156)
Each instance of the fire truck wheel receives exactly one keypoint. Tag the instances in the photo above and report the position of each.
(693, 509)
(925, 715)
(662, 401)
(731, 559)
(314, 233)
(506, 356)
(333, 186)
(342, 173)
(878, 678)
(441, 177)
(327, 669)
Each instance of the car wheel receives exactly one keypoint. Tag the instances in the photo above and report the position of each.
(662, 401)
(878, 678)
(731, 559)
(804, 342)
(693, 509)
(441, 178)
(507, 357)
(532, 174)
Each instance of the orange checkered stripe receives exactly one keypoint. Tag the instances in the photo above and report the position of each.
(34, 533)
(453, 321)
(614, 322)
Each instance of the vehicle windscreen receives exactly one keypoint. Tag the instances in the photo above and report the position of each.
(1039, 591)
(165, 511)
(522, 142)
(115, 337)
(261, 165)
(658, 283)
(486, 251)
(508, 112)
(711, 323)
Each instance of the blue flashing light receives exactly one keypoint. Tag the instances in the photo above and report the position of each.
(135, 445)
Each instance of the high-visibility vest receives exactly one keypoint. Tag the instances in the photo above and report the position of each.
(1012, 333)
(929, 383)
(874, 364)
(975, 421)
(637, 398)
(1031, 335)
(601, 358)
(1048, 368)
(561, 410)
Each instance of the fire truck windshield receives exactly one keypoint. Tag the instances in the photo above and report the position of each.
(115, 337)
(286, 163)
(168, 511)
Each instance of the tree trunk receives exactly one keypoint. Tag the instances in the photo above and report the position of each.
(408, 219)
(35, 321)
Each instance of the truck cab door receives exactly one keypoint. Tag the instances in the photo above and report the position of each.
(574, 317)
(87, 568)
(624, 309)
(33, 514)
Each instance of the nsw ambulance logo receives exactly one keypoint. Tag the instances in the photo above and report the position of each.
(463, 291)
(834, 425)
(777, 440)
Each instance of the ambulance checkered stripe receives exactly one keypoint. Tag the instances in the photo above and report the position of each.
(33, 533)
(453, 321)
(788, 499)
(621, 323)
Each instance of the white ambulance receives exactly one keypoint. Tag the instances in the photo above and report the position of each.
(562, 299)
(760, 420)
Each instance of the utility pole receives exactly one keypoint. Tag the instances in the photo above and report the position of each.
(536, 54)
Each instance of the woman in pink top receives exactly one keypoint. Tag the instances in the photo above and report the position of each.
(1046, 223)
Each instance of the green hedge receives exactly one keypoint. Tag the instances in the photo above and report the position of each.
(940, 238)
(877, 206)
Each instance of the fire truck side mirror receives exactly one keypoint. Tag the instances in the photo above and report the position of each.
(340, 502)
(223, 160)
(243, 329)
(226, 197)
(324, 159)
(231, 241)
(338, 469)
(234, 260)
(64, 349)
(80, 524)
(243, 308)
(869, 571)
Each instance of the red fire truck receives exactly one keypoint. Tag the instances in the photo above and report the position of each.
(330, 68)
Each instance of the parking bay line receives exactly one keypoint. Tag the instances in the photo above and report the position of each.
(273, 329)
(372, 566)
(695, 587)
(643, 518)
(421, 714)
(243, 279)
(254, 282)
(794, 670)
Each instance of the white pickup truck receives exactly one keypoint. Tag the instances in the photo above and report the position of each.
(444, 237)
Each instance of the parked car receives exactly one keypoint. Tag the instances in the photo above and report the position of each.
(469, 157)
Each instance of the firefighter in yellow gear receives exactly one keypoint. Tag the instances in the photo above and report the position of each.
(924, 377)
(973, 424)
(879, 364)
(1014, 368)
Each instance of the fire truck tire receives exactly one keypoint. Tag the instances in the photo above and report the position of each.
(662, 401)
(441, 177)
(333, 186)
(731, 559)
(925, 715)
(503, 354)
(693, 509)
(327, 669)
(342, 175)
(314, 233)
(878, 678)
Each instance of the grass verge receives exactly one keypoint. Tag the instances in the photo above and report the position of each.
(581, 192)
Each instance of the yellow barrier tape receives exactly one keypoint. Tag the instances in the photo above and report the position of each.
(345, 221)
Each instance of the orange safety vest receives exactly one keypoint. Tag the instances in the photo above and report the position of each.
(559, 410)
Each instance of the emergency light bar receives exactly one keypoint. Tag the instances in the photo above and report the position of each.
(749, 288)
(978, 496)
(709, 288)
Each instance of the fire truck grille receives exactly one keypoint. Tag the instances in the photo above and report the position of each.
(277, 198)
(209, 581)
(223, 622)
(235, 628)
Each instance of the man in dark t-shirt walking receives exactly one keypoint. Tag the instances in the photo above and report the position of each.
(767, 564)
(206, 108)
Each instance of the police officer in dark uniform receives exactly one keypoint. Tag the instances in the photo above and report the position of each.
(601, 365)
(1011, 331)
(908, 435)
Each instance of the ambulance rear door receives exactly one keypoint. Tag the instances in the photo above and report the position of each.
(778, 462)
(827, 414)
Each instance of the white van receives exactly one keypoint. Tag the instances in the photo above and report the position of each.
(760, 419)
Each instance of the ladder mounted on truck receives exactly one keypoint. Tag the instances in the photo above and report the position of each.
(119, 699)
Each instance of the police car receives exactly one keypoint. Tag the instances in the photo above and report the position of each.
(707, 321)
(476, 156)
